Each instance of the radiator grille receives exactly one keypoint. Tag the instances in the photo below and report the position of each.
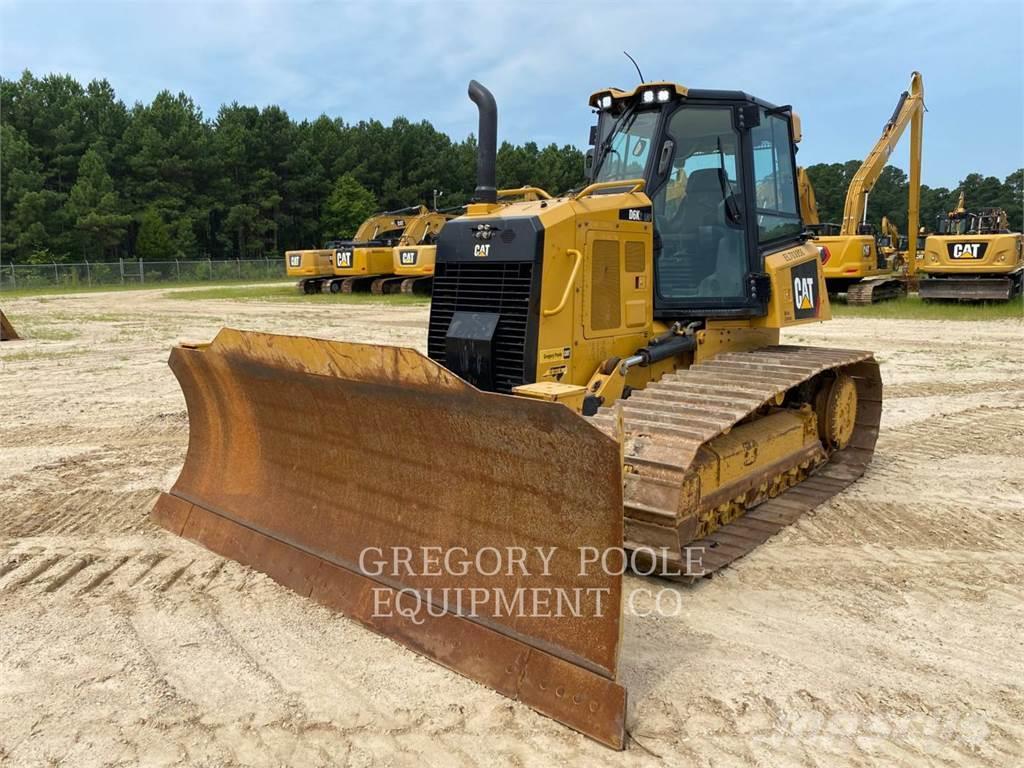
(502, 287)
(635, 260)
(605, 300)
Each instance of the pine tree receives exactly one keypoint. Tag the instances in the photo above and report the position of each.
(94, 207)
(348, 206)
(153, 242)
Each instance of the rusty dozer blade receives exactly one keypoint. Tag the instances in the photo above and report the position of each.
(7, 332)
(459, 523)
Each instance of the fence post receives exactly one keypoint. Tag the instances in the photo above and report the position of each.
(209, 267)
(88, 274)
(120, 261)
(142, 270)
(56, 276)
(177, 268)
(14, 280)
(238, 263)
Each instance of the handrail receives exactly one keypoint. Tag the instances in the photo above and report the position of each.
(524, 191)
(636, 185)
(569, 284)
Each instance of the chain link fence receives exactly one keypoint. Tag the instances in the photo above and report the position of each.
(137, 272)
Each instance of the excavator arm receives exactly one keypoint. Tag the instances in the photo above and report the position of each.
(808, 203)
(909, 111)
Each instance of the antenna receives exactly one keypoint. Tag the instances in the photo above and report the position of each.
(635, 65)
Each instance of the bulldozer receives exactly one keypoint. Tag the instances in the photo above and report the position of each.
(415, 258)
(855, 262)
(973, 257)
(604, 387)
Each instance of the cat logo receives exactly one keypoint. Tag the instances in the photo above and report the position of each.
(966, 250)
(343, 259)
(295, 260)
(407, 258)
(482, 251)
(805, 290)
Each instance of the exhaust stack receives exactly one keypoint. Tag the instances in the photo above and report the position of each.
(487, 143)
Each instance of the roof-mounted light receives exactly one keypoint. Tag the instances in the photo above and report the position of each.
(605, 101)
(648, 97)
(663, 94)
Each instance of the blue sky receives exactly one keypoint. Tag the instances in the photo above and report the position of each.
(841, 64)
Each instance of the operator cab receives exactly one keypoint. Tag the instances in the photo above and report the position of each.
(720, 170)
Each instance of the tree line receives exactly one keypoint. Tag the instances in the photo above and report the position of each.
(84, 176)
(889, 195)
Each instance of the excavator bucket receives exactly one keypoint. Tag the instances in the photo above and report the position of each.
(470, 527)
(7, 332)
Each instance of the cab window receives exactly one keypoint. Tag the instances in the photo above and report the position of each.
(626, 156)
(778, 211)
(698, 211)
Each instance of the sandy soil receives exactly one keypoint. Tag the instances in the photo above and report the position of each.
(886, 628)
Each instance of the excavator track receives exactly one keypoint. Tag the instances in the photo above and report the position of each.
(666, 427)
(873, 290)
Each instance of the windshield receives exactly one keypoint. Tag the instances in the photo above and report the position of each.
(626, 151)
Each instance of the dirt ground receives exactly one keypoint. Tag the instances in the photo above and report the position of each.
(886, 628)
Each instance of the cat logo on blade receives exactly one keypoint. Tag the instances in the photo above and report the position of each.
(343, 259)
(481, 250)
(967, 250)
(407, 258)
(805, 289)
(635, 214)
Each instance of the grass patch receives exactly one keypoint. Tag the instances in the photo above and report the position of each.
(45, 333)
(41, 354)
(64, 290)
(290, 293)
(912, 308)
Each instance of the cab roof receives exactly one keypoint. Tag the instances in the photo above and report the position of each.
(619, 96)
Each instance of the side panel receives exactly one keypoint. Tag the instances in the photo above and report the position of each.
(798, 293)
(850, 257)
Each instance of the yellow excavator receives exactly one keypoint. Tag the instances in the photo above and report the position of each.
(415, 254)
(604, 387)
(344, 264)
(311, 266)
(973, 257)
(368, 259)
(412, 260)
(854, 262)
